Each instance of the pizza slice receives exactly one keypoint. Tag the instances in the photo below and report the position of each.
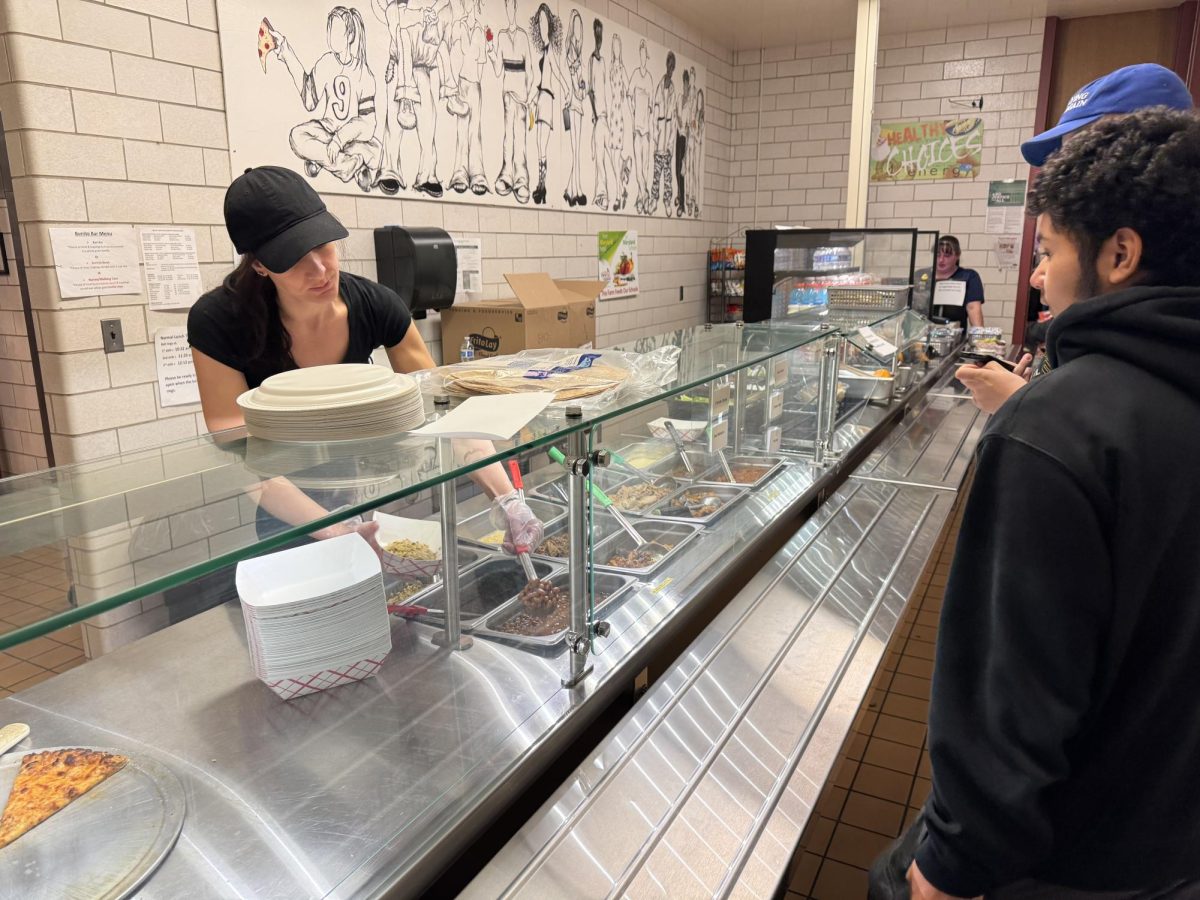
(48, 781)
(266, 43)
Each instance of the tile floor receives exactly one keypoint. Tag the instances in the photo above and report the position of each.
(32, 585)
(882, 775)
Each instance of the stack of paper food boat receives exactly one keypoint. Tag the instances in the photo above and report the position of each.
(316, 616)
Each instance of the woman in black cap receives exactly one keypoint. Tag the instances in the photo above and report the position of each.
(288, 305)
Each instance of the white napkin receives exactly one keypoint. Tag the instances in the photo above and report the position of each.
(493, 418)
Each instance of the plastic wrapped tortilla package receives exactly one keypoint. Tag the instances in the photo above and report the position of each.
(591, 379)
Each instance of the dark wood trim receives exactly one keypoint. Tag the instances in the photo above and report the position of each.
(1185, 65)
(1040, 124)
(18, 260)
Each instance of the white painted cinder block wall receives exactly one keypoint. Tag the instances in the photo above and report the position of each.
(793, 113)
(22, 443)
(114, 114)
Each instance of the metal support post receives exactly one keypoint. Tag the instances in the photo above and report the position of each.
(826, 403)
(451, 634)
(578, 635)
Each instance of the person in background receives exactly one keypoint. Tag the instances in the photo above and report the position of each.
(1063, 726)
(287, 306)
(970, 312)
(1124, 91)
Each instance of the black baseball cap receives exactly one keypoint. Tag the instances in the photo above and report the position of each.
(275, 214)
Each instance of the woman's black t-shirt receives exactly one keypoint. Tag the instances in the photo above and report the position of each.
(376, 315)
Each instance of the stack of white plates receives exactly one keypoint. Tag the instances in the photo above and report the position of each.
(345, 402)
(316, 616)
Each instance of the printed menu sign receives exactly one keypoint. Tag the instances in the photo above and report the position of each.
(172, 267)
(96, 262)
(176, 375)
(1005, 207)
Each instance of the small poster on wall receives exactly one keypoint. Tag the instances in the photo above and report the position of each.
(1005, 207)
(176, 374)
(930, 150)
(96, 262)
(618, 264)
(172, 267)
(469, 252)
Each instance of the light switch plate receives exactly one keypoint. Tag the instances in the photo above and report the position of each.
(111, 334)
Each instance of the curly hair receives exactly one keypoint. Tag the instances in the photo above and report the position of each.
(1139, 171)
(554, 38)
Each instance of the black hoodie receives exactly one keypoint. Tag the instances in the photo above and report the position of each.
(1065, 718)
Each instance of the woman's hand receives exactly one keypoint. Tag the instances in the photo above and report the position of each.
(991, 385)
(522, 529)
(368, 531)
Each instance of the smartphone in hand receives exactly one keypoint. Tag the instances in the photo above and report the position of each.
(982, 359)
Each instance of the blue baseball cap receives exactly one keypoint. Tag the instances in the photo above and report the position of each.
(1123, 91)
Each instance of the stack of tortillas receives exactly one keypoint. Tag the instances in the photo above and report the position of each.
(481, 378)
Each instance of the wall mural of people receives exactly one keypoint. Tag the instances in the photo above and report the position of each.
(392, 85)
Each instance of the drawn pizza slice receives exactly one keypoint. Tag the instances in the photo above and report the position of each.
(266, 43)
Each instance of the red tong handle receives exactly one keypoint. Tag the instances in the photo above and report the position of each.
(515, 469)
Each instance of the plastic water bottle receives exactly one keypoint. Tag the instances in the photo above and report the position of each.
(466, 353)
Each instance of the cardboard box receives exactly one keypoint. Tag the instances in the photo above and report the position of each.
(545, 312)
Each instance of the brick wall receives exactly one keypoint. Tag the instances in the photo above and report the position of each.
(115, 115)
(22, 443)
(793, 110)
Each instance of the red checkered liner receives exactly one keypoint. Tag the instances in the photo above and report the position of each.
(291, 688)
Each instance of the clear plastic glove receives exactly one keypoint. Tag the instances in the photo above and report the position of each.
(366, 530)
(992, 384)
(522, 529)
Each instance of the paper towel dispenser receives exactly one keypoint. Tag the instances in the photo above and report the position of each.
(419, 264)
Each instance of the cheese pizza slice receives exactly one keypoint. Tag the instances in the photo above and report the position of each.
(266, 43)
(48, 782)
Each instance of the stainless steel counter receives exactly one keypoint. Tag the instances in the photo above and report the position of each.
(350, 792)
(376, 786)
(705, 786)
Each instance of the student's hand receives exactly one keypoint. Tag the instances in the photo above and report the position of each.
(992, 384)
(1023, 366)
(922, 889)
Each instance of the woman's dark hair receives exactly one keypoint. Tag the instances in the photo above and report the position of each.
(952, 242)
(1139, 171)
(554, 38)
(258, 306)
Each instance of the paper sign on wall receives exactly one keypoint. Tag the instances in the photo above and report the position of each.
(1008, 248)
(618, 264)
(1005, 207)
(469, 251)
(172, 267)
(96, 262)
(176, 375)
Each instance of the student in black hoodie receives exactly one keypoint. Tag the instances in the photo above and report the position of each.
(1064, 723)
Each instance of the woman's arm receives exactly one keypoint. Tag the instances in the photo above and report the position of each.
(975, 314)
(411, 355)
(220, 385)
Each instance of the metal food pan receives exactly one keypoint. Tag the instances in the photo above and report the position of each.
(772, 464)
(603, 527)
(677, 533)
(479, 594)
(607, 584)
(474, 528)
(633, 451)
(729, 495)
(555, 489)
(866, 387)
